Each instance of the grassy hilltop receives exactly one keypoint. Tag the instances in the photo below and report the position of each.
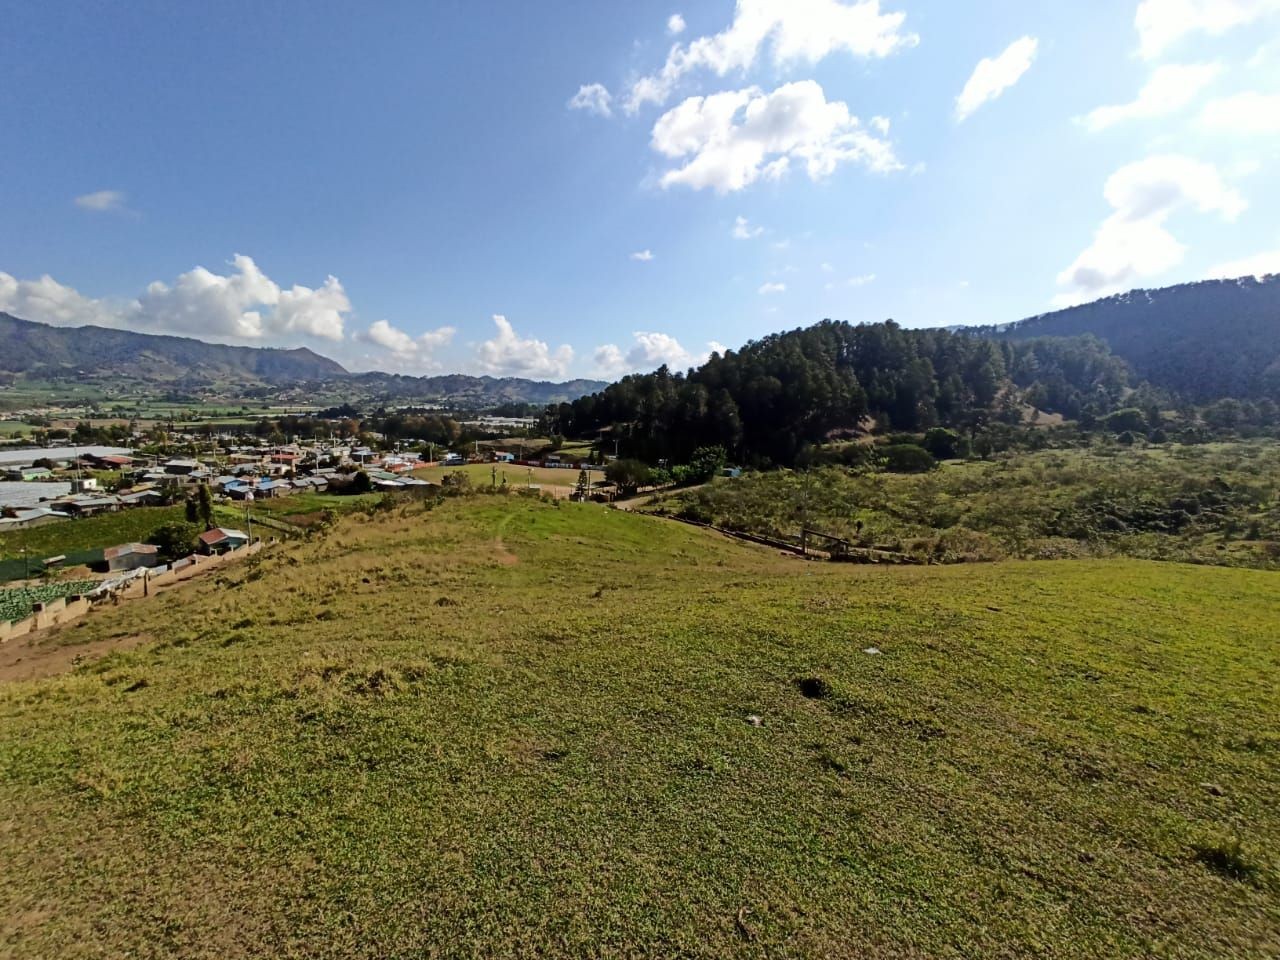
(504, 727)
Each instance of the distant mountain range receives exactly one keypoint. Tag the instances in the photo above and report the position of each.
(1216, 338)
(37, 349)
(40, 351)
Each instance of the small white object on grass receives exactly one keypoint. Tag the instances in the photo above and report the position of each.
(872, 650)
(755, 721)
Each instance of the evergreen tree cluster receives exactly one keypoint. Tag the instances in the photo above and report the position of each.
(769, 400)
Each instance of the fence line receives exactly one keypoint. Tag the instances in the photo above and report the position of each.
(137, 583)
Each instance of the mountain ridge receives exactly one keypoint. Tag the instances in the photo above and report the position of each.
(33, 348)
(39, 349)
(1205, 340)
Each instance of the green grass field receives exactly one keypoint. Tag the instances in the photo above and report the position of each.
(82, 541)
(502, 727)
(298, 503)
(482, 474)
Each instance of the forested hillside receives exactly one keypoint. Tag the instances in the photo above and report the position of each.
(766, 402)
(472, 391)
(1218, 338)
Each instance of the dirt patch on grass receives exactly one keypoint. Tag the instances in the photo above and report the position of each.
(504, 556)
(38, 655)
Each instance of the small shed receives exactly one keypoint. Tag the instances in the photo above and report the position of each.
(131, 556)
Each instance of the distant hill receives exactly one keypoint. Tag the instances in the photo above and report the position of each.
(37, 349)
(474, 391)
(1217, 338)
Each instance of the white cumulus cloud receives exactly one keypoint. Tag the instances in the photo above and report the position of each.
(1162, 23)
(102, 201)
(644, 256)
(675, 24)
(510, 355)
(648, 351)
(1168, 90)
(742, 229)
(994, 75)
(1242, 114)
(1259, 265)
(405, 349)
(593, 98)
(242, 304)
(797, 31)
(1133, 242)
(47, 301)
(727, 141)
(771, 287)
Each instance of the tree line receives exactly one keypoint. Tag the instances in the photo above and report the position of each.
(774, 398)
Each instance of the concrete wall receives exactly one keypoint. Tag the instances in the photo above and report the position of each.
(72, 608)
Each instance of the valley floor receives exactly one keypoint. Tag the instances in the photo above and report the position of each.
(505, 727)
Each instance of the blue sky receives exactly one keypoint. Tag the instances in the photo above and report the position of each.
(583, 189)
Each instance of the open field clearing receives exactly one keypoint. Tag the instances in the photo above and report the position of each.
(1215, 503)
(503, 727)
(482, 475)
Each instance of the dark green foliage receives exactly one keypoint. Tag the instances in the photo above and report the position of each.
(777, 396)
(177, 539)
(629, 475)
(945, 444)
(1219, 338)
(907, 458)
(204, 504)
(1128, 418)
(706, 462)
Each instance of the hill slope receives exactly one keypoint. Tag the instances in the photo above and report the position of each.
(1217, 338)
(42, 350)
(467, 390)
(452, 733)
(39, 350)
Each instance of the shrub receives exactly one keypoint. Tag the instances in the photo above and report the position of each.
(908, 458)
(177, 539)
(705, 463)
(945, 444)
(628, 474)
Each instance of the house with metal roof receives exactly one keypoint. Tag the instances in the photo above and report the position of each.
(221, 540)
(131, 556)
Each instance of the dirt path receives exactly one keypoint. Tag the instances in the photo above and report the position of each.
(504, 556)
(630, 503)
(38, 655)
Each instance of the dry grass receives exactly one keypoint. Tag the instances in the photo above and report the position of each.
(392, 743)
